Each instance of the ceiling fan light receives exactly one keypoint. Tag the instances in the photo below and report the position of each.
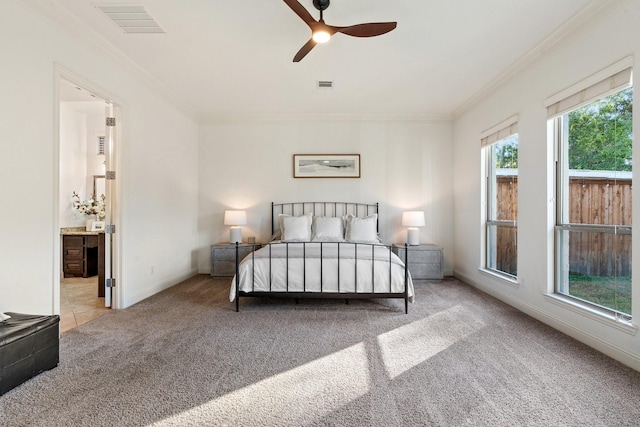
(321, 36)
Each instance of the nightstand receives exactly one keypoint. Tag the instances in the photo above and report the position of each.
(223, 257)
(425, 261)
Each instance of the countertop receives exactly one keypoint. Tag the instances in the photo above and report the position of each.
(78, 231)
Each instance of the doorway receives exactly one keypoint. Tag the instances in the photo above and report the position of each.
(86, 202)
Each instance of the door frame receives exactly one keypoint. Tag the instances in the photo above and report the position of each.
(117, 295)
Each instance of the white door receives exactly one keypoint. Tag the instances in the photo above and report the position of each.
(110, 175)
(83, 97)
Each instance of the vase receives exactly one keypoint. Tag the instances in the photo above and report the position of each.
(89, 222)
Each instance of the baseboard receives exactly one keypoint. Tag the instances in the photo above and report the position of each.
(158, 287)
(584, 336)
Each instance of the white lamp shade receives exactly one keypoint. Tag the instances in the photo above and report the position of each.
(413, 219)
(235, 217)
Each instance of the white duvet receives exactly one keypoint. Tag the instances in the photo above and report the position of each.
(291, 262)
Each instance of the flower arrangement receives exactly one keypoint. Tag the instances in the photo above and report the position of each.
(92, 206)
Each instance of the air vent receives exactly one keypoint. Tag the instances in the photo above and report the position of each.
(131, 18)
(100, 145)
(325, 84)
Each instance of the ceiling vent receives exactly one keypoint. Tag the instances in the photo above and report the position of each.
(131, 18)
(325, 84)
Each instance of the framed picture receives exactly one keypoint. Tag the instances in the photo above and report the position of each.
(326, 165)
(97, 226)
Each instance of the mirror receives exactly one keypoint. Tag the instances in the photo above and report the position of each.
(99, 186)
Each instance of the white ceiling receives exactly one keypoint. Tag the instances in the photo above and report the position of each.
(81, 100)
(234, 58)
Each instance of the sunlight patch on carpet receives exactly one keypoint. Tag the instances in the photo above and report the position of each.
(299, 396)
(410, 345)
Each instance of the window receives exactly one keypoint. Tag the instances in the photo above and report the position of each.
(501, 189)
(594, 177)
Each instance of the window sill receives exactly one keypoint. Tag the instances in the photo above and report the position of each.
(601, 316)
(502, 278)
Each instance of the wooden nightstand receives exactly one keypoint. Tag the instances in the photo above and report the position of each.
(223, 257)
(425, 261)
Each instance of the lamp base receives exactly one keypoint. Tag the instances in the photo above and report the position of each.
(235, 235)
(413, 236)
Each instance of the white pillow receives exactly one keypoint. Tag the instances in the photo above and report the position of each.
(362, 230)
(4, 317)
(296, 228)
(327, 229)
(281, 218)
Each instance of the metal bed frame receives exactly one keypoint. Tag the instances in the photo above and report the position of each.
(322, 209)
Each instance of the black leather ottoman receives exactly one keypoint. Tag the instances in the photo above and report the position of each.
(29, 345)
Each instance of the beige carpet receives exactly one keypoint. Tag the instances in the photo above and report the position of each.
(185, 358)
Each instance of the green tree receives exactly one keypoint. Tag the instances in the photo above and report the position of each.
(506, 152)
(600, 134)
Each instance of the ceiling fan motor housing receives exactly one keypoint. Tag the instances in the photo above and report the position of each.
(321, 32)
(321, 4)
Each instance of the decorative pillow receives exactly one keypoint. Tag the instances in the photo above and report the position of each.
(4, 317)
(281, 218)
(327, 229)
(296, 228)
(362, 230)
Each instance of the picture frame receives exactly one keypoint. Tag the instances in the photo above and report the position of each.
(97, 226)
(326, 165)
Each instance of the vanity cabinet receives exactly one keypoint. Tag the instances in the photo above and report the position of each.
(80, 255)
(83, 255)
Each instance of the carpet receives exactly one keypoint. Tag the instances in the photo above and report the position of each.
(184, 357)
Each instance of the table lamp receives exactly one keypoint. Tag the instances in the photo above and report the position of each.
(413, 219)
(235, 219)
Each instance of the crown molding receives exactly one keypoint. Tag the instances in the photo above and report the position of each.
(582, 21)
(320, 117)
(83, 34)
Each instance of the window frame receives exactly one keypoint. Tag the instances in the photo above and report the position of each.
(489, 140)
(557, 119)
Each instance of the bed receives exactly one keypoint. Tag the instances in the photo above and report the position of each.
(322, 250)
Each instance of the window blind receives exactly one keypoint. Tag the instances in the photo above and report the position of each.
(586, 92)
(499, 132)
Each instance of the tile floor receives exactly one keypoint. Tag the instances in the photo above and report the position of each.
(79, 302)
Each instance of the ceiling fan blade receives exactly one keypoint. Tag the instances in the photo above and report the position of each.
(304, 50)
(301, 11)
(366, 30)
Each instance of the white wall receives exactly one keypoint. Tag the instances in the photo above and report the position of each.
(615, 37)
(247, 165)
(95, 162)
(78, 159)
(159, 204)
(73, 164)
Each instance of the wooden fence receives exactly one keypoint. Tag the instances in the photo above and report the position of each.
(506, 237)
(598, 201)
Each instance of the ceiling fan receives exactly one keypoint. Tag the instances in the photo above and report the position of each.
(321, 32)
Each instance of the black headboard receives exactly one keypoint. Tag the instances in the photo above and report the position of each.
(322, 209)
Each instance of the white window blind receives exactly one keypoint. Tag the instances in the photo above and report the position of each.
(589, 90)
(499, 132)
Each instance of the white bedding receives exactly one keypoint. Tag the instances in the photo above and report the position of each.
(287, 261)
